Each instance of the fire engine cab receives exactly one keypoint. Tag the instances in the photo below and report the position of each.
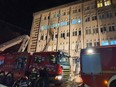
(98, 66)
(18, 65)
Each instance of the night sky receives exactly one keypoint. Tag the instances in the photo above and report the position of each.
(19, 12)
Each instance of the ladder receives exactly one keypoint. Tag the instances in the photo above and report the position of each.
(24, 39)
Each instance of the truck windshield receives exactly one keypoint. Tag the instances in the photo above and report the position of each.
(91, 63)
(64, 60)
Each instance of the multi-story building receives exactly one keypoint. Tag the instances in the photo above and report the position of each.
(74, 26)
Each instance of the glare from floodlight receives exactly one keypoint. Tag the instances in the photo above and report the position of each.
(90, 51)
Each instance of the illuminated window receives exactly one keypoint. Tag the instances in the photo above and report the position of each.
(104, 43)
(113, 42)
(63, 23)
(74, 21)
(99, 3)
(79, 20)
(107, 2)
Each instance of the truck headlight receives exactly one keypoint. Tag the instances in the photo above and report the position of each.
(58, 77)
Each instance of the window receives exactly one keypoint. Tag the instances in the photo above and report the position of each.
(74, 33)
(52, 37)
(75, 11)
(74, 21)
(103, 29)
(94, 18)
(44, 18)
(88, 31)
(104, 43)
(79, 20)
(95, 30)
(99, 3)
(42, 37)
(96, 44)
(113, 42)
(52, 26)
(63, 35)
(89, 44)
(107, 2)
(57, 25)
(87, 19)
(68, 33)
(45, 37)
(111, 28)
(63, 23)
(56, 36)
(79, 10)
(79, 32)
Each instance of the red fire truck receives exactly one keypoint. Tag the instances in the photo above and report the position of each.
(18, 65)
(98, 66)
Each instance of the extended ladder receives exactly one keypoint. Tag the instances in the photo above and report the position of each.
(24, 39)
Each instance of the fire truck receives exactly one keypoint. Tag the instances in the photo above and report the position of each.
(98, 66)
(14, 66)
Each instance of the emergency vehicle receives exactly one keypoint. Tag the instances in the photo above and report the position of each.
(14, 66)
(98, 66)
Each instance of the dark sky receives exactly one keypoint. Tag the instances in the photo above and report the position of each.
(19, 12)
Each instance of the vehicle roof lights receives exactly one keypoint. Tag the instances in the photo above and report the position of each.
(89, 51)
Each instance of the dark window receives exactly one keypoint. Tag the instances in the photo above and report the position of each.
(101, 30)
(79, 10)
(87, 19)
(52, 37)
(79, 32)
(104, 28)
(45, 37)
(94, 18)
(89, 31)
(48, 17)
(56, 36)
(96, 30)
(44, 18)
(68, 33)
(63, 35)
(111, 28)
(75, 33)
(42, 37)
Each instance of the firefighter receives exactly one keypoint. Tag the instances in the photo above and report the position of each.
(45, 77)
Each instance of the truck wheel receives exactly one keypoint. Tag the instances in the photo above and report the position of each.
(2, 77)
(39, 83)
(113, 83)
(9, 79)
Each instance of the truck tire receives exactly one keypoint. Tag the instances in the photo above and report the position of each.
(9, 79)
(113, 83)
(39, 83)
(2, 78)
